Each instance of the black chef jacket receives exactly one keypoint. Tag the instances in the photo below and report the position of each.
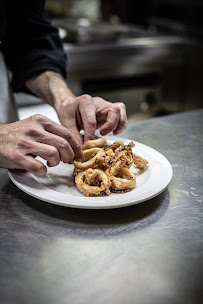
(29, 43)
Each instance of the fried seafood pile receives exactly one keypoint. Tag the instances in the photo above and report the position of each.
(104, 169)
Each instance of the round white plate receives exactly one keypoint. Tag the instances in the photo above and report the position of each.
(58, 187)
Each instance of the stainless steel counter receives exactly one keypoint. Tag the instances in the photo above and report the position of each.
(147, 253)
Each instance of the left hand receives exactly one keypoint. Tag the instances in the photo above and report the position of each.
(91, 113)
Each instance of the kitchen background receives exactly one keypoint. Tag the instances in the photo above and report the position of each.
(146, 53)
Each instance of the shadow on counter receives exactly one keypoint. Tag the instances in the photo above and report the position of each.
(50, 219)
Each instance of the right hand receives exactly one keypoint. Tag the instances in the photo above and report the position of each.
(37, 135)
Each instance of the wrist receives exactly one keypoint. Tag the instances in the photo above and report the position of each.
(1, 126)
(51, 87)
(62, 100)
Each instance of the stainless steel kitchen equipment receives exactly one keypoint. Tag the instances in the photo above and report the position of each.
(121, 63)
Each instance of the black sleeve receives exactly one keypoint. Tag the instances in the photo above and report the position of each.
(31, 44)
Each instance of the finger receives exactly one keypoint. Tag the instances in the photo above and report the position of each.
(76, 134)
(61, 144)
(35, 148)
(69, 121)
(65, 133)
(49, 153)
(88, 115)
(111, 123)
(33, 165)
(122, 124)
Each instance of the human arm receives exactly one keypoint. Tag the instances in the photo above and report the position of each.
(38, 62)
(31, 44)
(34, 54)
(81, 112)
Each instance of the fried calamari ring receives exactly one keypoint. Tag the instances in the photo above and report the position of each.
(95, 158)
(99, 142)
(104, 159)
(76, 171)
(139, 161)
(126, 157)
(92, 182)
(125, 154)
(125, 147)
(90, 156)
(115, 145)
(124, 180)
(104, 169)
(115, 168)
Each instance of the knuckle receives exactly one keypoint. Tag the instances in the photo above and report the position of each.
(111, 125)
(122, 105)
(32, 130)
(38, 168)
(91, 121)
(67, 133)
(63, 144)
(24, 143)
(53, 152)
(86, 98)
(100, 99)
(37, 117)
(116, 109)
(17, 156)
(40, 118)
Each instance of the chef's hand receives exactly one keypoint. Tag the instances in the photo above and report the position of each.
(91, 113)
(76, 113)
(37, 135)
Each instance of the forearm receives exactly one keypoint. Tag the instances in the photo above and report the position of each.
(50, 87)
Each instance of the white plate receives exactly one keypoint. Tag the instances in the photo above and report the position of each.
(58, 187)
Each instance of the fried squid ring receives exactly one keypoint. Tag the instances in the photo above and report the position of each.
(104, 169)
(115, 168)
(125, 154)
(139, 161)
(93, 182)
(124, 180)
(115, 145)
(104, 159)
(99, 142)
(125, 147)
(90, 156)
(125, 157)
